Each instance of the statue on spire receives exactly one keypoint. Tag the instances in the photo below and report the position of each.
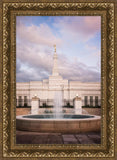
(55, 48)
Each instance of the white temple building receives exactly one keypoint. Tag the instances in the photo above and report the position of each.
(89, 92)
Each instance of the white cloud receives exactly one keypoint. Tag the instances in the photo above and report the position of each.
(41, 35)
(35, 65)
(35, 54)
(78, 28)
(75, 70)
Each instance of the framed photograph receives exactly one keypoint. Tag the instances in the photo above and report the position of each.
(58, 92)
(58, 79)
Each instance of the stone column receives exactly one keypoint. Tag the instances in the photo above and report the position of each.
(34, 105)
(78, 105)
(93, 100)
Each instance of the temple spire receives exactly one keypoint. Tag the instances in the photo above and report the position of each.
(55, 63)
(55, 48)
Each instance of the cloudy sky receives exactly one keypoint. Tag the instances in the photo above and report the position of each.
(78, 44)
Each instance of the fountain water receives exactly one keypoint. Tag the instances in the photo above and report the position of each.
(58, 103)
(85, 112)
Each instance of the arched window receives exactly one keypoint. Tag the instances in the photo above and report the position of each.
(25, 101)
(86, 100)
(91, 100)
(20, 101)
(96, 100)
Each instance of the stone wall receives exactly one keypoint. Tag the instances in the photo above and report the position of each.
(23, 111)
(93, 111)
(66, 110)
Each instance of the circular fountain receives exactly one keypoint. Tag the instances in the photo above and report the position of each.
(58, 122)
(67, 124)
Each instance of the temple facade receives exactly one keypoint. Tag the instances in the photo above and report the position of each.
(45, 90)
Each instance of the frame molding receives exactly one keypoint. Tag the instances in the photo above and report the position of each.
(10, 11)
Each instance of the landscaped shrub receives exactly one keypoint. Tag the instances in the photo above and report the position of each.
(64, 111)
(45, 106)
(68, 106)
(23, 106)
(88, 106)
(48, 111)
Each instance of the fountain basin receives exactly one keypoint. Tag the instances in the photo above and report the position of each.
(68, 124)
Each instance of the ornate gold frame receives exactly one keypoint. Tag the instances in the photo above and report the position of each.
(9, 12)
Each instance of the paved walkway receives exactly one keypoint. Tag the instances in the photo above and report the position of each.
(23, 137)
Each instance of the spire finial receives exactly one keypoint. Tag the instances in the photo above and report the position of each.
(55, 48)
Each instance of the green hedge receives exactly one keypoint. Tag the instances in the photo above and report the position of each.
(45, 106)
(23, 106)
(91, 106)
(52, 106)
(68, 106)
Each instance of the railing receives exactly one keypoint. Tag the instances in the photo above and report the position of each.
(49, 102)
(23, 103)
(91, 103)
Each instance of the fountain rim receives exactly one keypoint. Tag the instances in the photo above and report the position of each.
(20, 117)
